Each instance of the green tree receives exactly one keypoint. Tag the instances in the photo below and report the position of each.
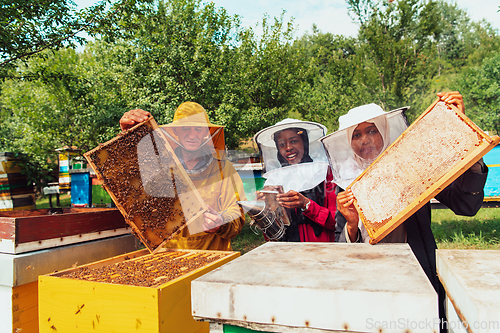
(29, 27)
(179, 50)
(463, 42)
(330, 88)
(266, 72)
(167, 53)
(481, 87)
(395, 41)
(61, 100)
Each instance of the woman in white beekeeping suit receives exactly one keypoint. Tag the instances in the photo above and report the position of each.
(296, 160)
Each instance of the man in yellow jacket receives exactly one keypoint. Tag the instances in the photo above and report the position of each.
(199, 146)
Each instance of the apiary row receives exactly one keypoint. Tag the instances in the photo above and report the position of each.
(15, 191)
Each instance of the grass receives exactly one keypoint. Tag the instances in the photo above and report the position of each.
(481, 231)
(247, 240)
(64, 201)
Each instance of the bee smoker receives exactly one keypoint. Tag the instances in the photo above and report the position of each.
(264, 218)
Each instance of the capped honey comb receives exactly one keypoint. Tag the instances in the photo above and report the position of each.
(435, 150)
(146, 181)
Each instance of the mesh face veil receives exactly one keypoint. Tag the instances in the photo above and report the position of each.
(300, 168)
(345, 159)
(192, 138)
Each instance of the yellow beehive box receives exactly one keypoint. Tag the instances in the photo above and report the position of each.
(135, 292)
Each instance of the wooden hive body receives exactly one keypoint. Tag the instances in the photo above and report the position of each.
(435, 150)
(15, 193)
(127, 293)
(30, 230)
(318, 287)
(471, 281)
(157, 208)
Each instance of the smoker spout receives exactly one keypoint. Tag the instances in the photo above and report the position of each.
(252, 208)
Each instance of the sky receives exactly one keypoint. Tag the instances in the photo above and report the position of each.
(328, 15)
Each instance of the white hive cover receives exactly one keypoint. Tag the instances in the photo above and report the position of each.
(472, 282)
(326, 286)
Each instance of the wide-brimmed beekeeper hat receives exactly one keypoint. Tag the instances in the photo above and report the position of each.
(267, 146)
(300, 176)
(192, 114)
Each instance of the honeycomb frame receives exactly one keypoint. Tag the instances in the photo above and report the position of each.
(154, 220)
(411, 185)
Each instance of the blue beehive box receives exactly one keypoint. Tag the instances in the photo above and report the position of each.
(81, 190)
(492, 186)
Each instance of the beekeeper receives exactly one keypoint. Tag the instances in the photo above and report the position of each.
(296, 160)
(199, 145)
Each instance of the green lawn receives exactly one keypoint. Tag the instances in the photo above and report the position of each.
(247, 240)
(460, 232)
(64, 200)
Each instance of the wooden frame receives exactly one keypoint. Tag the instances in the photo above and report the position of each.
(159, 223)
(379, 229)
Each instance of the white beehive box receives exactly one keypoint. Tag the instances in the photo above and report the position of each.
(471, 279)
(295, 287)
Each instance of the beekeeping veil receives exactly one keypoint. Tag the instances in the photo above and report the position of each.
(346, 164)
(161, 176)
(191, 114)
(312, 168)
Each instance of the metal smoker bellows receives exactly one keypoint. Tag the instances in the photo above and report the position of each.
(265, 219)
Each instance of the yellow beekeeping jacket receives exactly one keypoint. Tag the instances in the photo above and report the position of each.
(220, 186)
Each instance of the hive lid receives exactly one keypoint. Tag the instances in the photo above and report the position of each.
(435, 150)
(472, 282)
(319, 285)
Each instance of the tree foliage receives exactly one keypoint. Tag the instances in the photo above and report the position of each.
(395, 38)
(330, 87)
(156, 54)
(481, 85)
(29, 27)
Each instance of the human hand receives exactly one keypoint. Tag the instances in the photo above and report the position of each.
(262, 196)
(132, 118)
(259, 195)
(213, 221)
(345, 205)
(453, 97)
(292, 199)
